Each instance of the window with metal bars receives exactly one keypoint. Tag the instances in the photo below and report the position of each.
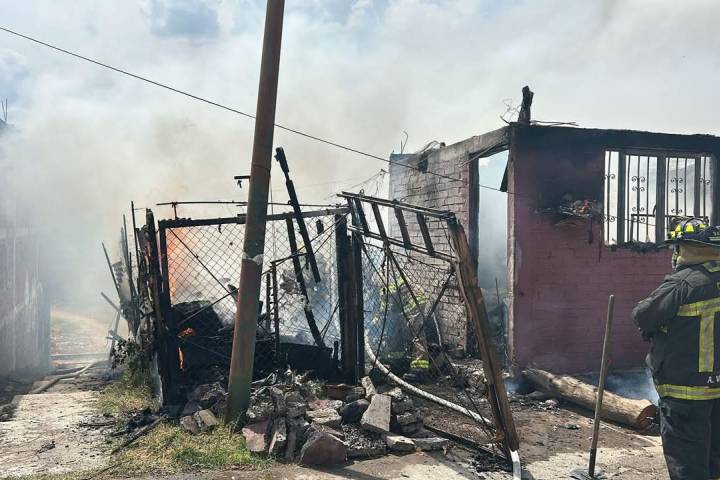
(648, 191)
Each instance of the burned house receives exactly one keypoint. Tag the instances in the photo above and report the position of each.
(587, 211)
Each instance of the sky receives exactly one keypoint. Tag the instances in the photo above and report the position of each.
(86, 140)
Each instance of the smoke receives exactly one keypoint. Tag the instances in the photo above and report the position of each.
(86, 141)
(635, 384)
(492, 224)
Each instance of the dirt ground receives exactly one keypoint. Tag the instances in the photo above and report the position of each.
(414, 466)
(55, 431)
(75, 331)
(555, 441)
(58, 431)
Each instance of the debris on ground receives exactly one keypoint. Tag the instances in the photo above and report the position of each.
(295, 418)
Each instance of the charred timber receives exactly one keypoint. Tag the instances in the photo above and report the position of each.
(638, 414)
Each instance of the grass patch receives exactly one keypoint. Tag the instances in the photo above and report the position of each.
(167, 448)
(170, 449)
(131, 392)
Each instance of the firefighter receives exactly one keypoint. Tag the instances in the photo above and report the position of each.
(680, 320)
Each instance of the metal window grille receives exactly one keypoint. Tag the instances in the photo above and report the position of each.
(647, 191)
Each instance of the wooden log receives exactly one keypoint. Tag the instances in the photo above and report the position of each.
(635, 413)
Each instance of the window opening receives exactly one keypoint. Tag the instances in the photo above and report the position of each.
(645, 192)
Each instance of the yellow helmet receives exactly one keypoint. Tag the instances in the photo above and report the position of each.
(695, 230)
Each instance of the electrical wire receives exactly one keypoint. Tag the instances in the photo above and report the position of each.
(222, 106)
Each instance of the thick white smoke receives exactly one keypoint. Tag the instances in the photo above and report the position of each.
(87, 140)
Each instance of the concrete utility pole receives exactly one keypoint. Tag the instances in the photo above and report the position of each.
(243, 351)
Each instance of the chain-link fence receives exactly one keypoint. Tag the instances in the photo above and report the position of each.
(297, 322)
(397, 297)
(416, 315)
(405, 298)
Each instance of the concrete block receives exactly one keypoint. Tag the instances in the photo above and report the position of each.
(377, 417)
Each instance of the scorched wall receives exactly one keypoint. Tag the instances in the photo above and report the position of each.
(561, 276)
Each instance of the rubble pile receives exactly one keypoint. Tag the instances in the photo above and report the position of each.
(318, 424)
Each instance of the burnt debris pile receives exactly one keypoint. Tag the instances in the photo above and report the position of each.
(343, 295)
(297, 418)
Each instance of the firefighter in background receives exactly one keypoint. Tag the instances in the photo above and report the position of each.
(680, 320)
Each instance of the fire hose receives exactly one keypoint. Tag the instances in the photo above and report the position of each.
(514, 456)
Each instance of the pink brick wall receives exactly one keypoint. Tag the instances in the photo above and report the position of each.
(561, 282)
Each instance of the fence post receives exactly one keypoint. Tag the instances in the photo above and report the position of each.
(168, 361)
(300, 278)
(348, 327)
(358, 303)
(466, 273)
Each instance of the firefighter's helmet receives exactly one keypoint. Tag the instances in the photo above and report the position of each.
(694, 230)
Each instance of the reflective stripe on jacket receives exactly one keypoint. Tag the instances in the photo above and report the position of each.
(680, 318)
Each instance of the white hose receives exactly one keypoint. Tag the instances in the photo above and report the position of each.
(514, 455)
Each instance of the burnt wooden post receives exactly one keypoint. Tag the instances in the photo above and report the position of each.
(168, 358)
(466, 268)
(358, 302)
(302, 228)
(527, 97)
(300, 277)
(345, 274)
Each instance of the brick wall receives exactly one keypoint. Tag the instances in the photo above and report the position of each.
(561, 276)
(412, 185)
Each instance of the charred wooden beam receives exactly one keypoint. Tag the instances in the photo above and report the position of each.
(360, 213)
(282, 160)
(358, 304)
(168, 357)
(466, 271)
(353, 215)
(527, 98)
(425, 232)
(407, 243)
(300, 278)
(346, 312)
(378, 220)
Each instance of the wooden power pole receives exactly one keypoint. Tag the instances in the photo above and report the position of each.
(243, 350)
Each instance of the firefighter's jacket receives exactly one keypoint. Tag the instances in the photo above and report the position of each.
(680, 319)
